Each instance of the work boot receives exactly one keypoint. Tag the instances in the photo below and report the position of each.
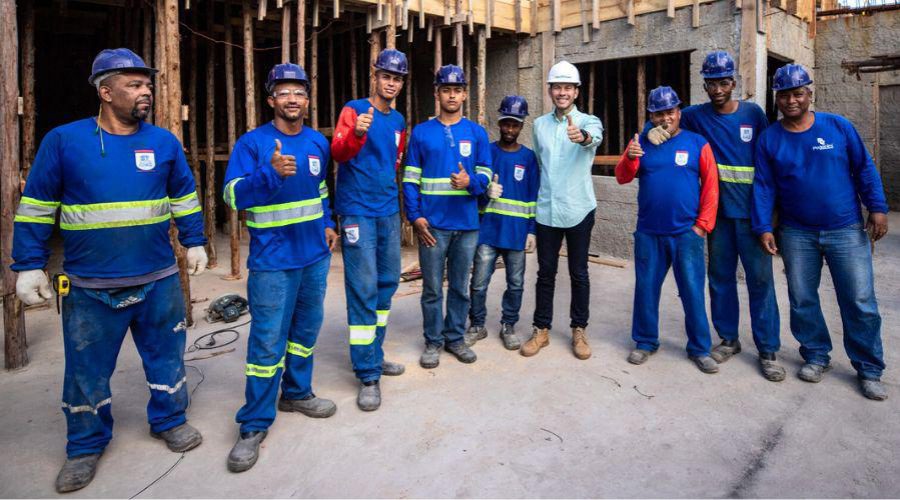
(540, 338)
(508, 336)
(245, 452)
(724, 351)
(706, 364)
(579, 343)
(392, 369)
(810, 372)
(369, 398)
(639, 356)
(311, 406)
(77, 472)
(873, 389)
(462, 352)
(431, 356)
(474, 334)
(181, 438)
(770, 368)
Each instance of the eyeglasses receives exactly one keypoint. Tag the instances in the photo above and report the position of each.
(282, 94)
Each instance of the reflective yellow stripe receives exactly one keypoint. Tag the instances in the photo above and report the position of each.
(185, 205)
(323, 190)
(440, 186)
(382, 317)
(284, 214)
(263, 371)
(37, 220)
(299, 349)
(35, 201)
(34, 210)
(229, 193)
(362, 334)
(114, 214)
(412, 174)
(736, 175)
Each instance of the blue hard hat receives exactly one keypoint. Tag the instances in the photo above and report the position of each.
(790, 76)
(662, 98)
(450, 75)
(118, 60)
(513, 106)
(286, 72)
(718, 64)
(392, 61)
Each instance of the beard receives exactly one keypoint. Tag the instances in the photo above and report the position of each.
(140, 114)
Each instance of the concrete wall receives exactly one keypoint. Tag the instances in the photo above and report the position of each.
(787, 38)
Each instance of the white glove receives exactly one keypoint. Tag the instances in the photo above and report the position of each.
(196, 261)
(658, 135)
(530, 243)
(495, 189)
(33, 287)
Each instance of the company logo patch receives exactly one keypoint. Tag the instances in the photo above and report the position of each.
(352, 233)
(746, 133)
(519, 172)
(681, 158)
(144, 160)
(465, 148)
(315, 165)
(822, 145)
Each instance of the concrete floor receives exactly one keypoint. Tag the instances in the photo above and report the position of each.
(507, 426)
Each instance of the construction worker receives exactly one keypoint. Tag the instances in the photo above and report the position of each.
(115, 179)
(277, 174)
(677, 202)
(815, 169)
(368, 142)
(448, 168)
(732, 128)
(507, 226)
(565, 141)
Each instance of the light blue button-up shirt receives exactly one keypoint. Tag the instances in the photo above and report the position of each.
(567, 190)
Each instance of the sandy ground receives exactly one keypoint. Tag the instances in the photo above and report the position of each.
(507, 426)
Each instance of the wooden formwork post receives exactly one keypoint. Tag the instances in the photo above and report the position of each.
(331, 93)
(354, 71)
(390, 33)
(249, 73)
(374, 49)
(482, 75)
(301, 33)
(161, 94)
(147, 40)
(641, 92)
(194, 144)
(209, 200)
(314, 79)
(592, 79)
(438, 62)
(15, 347)
(29, 105)
(620, 96)
(286, 33)
(234, 224)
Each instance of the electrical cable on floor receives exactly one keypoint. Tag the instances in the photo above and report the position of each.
(164, 474)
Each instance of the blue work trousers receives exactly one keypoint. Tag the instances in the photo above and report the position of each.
(286, 309)
(849, 256)
(653, 256)
(733, 238)
(485, 263)
(454, 251)
(94, 325)
(371, 251)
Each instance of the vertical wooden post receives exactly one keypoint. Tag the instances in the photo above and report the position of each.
(695, 14)
(460, 45)
(301, 33)
(263, 7)
(249, 73)
(331, 94)
(161, 94)
(620, 95)
(482, 75)
(556, 15)
(314, 79)
(488, 16)
(354, 69)
(147, 46)
(193, 105)
(605, 95)
(286, 33)
(629, 11)
(16, 346)
(585, 27)
(438, 62)
(595, 14)
(209, 200)
(390, 34)
(592, 79)
(467, 69)
(374, 49)
(670, 9)
(641, 92)
(29, 105)
(234, 224)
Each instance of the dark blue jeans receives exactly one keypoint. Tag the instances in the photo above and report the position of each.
(849, 256)
(732, 238)
(455, 251)
(485, 261)
(549, 242)
(653, 256)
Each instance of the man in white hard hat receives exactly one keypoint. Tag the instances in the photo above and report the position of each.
(564, 141)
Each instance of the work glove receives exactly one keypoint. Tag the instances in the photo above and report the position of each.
(495, 189)
(530, 243)
(196, 261)
(33, 287)
(658, 135)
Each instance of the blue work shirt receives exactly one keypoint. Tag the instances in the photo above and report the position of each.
(567, 194)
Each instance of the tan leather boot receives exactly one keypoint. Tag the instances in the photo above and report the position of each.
(579, 343)
(539, 339)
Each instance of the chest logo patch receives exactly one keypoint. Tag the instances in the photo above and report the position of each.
(352, 233)
(681, 158)
(746, 133)
(465, 148)
(144, 160)
(397, 138)
(822, 145)
(315, 165)
(519, 172)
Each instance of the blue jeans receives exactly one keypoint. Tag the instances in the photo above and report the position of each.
(653, 256)
(371, 251)
(733, 238)
(287, 310)
(94, 325)
(455, 249)
(849, 256)
(485, 261)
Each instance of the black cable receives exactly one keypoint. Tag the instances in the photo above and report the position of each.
(212, 343)
(164, 474)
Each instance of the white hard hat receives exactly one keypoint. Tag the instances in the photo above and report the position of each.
(564, 72)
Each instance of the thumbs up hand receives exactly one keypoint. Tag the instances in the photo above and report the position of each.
(459, 180)
(575, 134)
(634, 148)
(284, 165)
(364, 121)
(495, 189)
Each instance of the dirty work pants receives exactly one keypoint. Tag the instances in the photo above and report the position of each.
(485, 263)
(455, 251)
(732, 238)
(549, 242)
(653, 256)
(95, 322)
(286, 309)
(849, 256)
(371, 251)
